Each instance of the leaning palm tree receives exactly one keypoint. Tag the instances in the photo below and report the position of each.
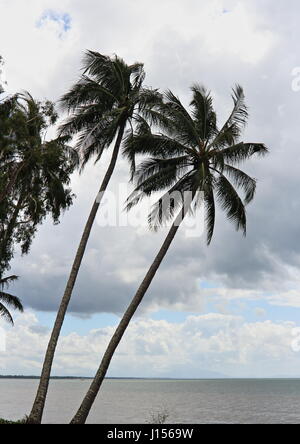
(108, 97)
(190, 155)
(8, 299)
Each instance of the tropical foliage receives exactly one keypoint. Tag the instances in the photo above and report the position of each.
(7, 299)
(6, 422)
(34, 173)
(190, 153)
(108, 96)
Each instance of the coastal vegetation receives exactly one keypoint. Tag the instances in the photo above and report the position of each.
(21, 421)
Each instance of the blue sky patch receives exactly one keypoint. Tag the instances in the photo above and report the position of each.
(63, 19)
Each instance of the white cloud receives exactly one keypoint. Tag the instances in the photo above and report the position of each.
(34, 54)
(286, 299)
(213, 342)
(239, 32)
(39, 59)
(55, 22)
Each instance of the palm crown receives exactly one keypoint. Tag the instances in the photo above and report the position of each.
(107, 97)
(189, 153)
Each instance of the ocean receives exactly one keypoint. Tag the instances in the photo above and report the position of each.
(130, 401)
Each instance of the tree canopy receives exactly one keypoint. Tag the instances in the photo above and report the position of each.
(191, 153)
(34, 173)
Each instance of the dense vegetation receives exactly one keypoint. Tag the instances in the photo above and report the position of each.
(35, 174)
(21, 421)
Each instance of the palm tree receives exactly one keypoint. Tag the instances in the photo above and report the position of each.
(108, 97)
(8, 299)
(189, 155)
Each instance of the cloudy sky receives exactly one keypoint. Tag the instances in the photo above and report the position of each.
(230, 309)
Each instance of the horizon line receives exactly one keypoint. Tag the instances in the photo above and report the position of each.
(153, 378)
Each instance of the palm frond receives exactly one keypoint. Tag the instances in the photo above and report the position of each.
(5, 282)
(231, 203)
(85, 116)
(152, 167)
(238, 153)
(210, 207)
(181, 120)
(154, 145)
(8, 299)
(203, 113)
(6, 314)
(157, 118)
(239, 114)
(242, 180)
(87, 92)
(11, 300)
(162, 177)
(178, 197)
(234, 125)
(149, 99)
(137, 75)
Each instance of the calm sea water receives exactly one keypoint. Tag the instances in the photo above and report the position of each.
(134, 401)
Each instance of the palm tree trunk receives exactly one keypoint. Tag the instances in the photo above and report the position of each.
(36, 414)
(89, 399)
